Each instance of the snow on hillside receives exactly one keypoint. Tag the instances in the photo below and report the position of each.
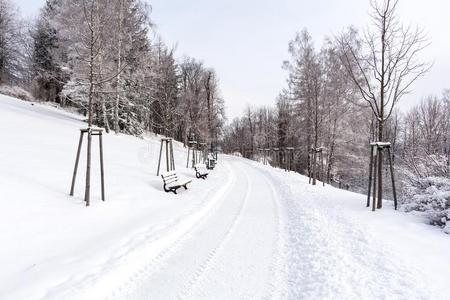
(247, 232)
(50, 241)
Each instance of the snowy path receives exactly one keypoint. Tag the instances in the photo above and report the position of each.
(234, 252)
(338, 249)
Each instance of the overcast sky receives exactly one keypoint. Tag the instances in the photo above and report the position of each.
(246, 40)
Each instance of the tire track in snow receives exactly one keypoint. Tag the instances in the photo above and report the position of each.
(136, 286)
(161, 246)
(277, 288)
(252, 264)
(207, 265)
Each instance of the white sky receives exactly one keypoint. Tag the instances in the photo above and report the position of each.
(246, 41)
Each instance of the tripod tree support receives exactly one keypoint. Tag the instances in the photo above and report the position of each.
(266, 156)
(289, 159)
(248, 153)
(203, 149)
(166, 143)
(275, 157)
(90, 133)
(317, 154)
(192, 153)
(375, 149)
(258, 156)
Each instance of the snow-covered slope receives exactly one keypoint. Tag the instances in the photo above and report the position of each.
(247, 232)
(52, 242)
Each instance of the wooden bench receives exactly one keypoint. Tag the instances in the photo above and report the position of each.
(201, 171)
(172, 182)
(211, 162)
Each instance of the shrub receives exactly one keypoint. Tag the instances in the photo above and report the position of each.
(16, 92)
(430, 195)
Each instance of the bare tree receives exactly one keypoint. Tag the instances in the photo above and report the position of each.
(386, 65)
(119, 65)
(305, 89)
(9, 42)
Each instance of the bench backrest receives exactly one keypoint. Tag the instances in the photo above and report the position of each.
(169, 177)
(200, 166)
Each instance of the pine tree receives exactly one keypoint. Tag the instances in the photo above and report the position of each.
(47, 56)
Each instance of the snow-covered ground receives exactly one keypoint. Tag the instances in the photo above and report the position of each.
(247, 232)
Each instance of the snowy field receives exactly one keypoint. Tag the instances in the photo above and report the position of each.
(247, 232)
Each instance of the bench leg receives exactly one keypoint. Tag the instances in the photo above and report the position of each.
(166, 190)
(174, 191)
(185, 186)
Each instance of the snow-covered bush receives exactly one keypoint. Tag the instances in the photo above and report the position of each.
(430, 195)
(16, 92)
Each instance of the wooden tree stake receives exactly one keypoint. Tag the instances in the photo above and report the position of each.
(87, 193)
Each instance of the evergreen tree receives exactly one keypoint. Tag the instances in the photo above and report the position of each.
(47, 54)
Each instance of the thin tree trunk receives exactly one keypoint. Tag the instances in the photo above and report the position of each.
(102, 101)
(381, 116)
(91, 92)
(119, 66)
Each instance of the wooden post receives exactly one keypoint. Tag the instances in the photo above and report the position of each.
(159, 160)
(87, 193)
(309, 166)
(322, 171)
(172, 156)
(195, 154)
(370, 176)
(289, 159)
(277, 158)
(392, 178)
(187, 161)
(380, 172)
(77, 159)
(167, 155)
(102, 171)
(375, 166)
(314, 166)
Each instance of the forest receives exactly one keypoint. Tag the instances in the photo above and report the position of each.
(109, 53)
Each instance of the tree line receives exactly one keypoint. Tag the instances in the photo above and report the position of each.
(109, 54)
(344, 96)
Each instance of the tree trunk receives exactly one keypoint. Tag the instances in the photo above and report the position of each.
(316, 136)
(119, 66)
(380, 168)
(381, 115)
